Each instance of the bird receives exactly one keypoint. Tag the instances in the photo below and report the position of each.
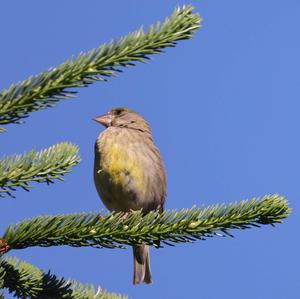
(129, 174)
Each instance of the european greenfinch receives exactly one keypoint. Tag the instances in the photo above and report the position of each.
(129, 173)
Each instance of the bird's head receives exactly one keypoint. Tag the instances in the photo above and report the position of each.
(123, 118)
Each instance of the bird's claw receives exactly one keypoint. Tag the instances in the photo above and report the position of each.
(127, 214)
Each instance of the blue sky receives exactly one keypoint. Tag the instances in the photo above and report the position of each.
(224, 108)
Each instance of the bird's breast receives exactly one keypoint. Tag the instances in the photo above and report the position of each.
(125, 169)
(122, 162)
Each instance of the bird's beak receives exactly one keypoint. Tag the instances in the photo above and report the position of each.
(104, 119)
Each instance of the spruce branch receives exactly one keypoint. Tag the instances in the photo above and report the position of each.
(42, 167)
(27, 281)
(44, 90)
(170, 227)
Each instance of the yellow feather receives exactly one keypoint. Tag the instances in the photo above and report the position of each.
(118, 162)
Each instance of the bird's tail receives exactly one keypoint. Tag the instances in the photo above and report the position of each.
(141, 260)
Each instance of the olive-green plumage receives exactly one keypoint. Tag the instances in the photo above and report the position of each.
(129, 173)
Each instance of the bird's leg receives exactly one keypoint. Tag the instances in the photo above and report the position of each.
(127, 214)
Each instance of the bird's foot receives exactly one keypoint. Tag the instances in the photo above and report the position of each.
(127, 214)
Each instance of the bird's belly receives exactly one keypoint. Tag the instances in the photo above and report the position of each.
(121, 179)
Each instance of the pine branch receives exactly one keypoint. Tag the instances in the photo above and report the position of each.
(27, 281)
(112, 230)
(42, 167)
(47, 88)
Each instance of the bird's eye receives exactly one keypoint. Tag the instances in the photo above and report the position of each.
(118, 111)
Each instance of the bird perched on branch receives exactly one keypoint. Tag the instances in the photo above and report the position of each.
(129, 173)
